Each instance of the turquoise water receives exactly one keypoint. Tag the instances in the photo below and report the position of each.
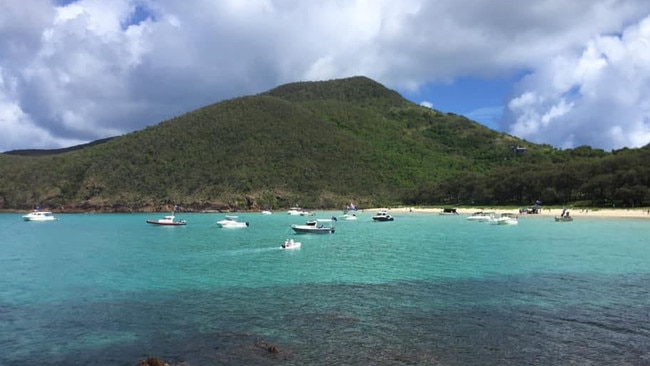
(423, 289)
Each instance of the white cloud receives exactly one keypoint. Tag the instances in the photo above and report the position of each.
(597, 97)
(17, 127)
(426, 104)
(92, 68)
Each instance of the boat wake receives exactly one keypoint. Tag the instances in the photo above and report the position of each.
(249, 251)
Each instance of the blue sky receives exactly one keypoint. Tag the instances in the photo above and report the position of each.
(548, 71)
(478, 99)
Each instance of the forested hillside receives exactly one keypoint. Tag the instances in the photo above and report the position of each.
(320, 145)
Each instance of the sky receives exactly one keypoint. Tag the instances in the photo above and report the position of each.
(557, 72)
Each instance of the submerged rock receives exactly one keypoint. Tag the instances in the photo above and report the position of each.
(272, 348)
(152, 361)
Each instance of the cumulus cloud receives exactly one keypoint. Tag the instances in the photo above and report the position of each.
(76, 71)
(597, 96)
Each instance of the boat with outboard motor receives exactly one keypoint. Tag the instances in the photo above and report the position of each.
(505, 219)
(382, 216)
(291, 244)
(169, 220)
(564, 216)
(318, 226)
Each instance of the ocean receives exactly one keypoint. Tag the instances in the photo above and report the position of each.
(424, 289)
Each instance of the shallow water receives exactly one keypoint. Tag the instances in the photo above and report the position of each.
(423, 289)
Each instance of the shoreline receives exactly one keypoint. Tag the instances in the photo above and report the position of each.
(639, 213)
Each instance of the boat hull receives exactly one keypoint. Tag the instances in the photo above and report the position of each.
(382, 218)
(38, 219)
(237, 225)
(563, 219)
(479, 218)
(310, 229)
(156, 222)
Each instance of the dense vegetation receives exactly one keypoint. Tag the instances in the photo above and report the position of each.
(320, 145)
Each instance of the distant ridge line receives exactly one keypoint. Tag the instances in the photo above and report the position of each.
(45, 152)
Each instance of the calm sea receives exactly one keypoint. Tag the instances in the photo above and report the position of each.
(424, 289)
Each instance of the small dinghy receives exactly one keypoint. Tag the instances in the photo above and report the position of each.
(291, 244)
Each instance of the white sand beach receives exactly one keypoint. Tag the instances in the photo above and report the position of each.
(575, 212)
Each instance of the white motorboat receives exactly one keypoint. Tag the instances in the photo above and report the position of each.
(231, 222)
(481, 216)
(382, 216)
(267, 212)
(318, 226)
(291, 244)
(38, 215)
(349, 216)
(295, 211)
(169, 220)
(506, 219)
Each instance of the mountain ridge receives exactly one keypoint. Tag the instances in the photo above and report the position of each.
(319, 144)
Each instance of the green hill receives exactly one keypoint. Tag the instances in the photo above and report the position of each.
(317, 144)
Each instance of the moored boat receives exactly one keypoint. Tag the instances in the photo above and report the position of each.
(506, 219)
(169, 220)
(382, 216)
(297, 211)
(318, 226)
(565, 216)
(481, 216)
(38, 215)
(231, 222)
